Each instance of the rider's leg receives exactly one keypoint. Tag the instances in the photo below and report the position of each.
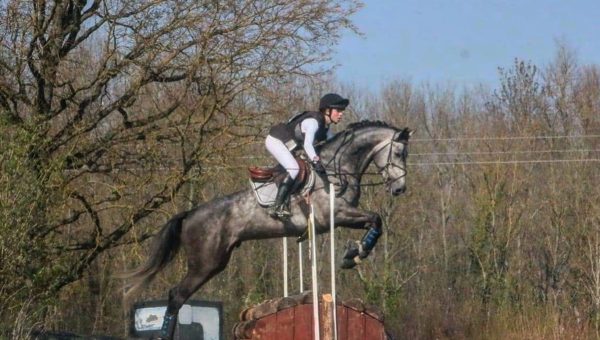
(281, 153)
(279, 208)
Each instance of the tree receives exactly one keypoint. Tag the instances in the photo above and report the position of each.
(117, 105)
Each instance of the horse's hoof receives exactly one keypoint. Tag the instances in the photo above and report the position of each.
(302, 237)
(349, 263)
(352, 250)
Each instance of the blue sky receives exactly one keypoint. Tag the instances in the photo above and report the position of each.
(462, 42)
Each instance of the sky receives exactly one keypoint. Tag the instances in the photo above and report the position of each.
(462, 42)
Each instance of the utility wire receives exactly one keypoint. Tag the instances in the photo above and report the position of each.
(542, 161)
(497, 152)
(422, 164)
(584, 160)
(501, 138)
(512, 152)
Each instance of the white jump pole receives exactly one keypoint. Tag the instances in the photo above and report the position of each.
(313, 265)
(285, 267)
(300, 265)
(332, 253)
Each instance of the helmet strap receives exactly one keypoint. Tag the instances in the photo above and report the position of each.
(327, 114)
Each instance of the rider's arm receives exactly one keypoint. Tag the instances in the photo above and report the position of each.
(309, 127)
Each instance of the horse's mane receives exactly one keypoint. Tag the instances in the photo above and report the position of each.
(352, 127)
(368, 123)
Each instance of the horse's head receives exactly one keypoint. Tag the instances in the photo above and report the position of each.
(390, 159)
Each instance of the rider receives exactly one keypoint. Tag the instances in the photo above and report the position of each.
(306, 129)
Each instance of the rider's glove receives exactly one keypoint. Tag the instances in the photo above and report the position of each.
(318, 166)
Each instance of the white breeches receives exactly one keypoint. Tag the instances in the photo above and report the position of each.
(282, 155)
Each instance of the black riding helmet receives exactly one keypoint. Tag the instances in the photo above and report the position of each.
(333, 101)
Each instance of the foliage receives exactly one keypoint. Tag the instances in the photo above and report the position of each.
(112, 111)
(115, 115)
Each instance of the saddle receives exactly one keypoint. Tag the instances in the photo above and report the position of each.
(277, 173)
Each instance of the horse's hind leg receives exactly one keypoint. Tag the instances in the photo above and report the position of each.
(198, 274)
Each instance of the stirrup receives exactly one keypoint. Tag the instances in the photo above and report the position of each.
(280, 212)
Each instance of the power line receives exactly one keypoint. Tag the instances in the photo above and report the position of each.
(581, 160)
(502, 152)
(421, 164)
(539, 161)
(511, 152)
(485, 138)
(501, 138)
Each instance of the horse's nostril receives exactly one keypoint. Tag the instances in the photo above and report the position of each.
(399, 191)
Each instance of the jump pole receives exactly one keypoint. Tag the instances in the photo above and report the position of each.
(313, 253)
(332, 253)
(300, 266)
(285, 267)
(313, 265)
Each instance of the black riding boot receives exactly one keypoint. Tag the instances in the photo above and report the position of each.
(279, 208)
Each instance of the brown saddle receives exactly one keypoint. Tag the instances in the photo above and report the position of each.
(277, 173)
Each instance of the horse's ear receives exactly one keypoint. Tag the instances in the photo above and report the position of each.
(405, 134)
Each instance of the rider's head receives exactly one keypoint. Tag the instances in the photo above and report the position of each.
(332, 106)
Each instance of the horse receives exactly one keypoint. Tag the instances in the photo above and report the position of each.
(210, 232)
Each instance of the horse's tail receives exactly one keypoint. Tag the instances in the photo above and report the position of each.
(166, 245)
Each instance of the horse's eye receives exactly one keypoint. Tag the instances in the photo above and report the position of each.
(401, 155)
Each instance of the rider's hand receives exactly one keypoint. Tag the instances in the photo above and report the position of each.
(318, 166)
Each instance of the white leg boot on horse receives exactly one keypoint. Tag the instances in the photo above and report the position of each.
(280, 208)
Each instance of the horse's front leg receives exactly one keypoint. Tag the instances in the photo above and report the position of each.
(350, 217)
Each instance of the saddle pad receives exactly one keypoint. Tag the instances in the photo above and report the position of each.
(265, 192)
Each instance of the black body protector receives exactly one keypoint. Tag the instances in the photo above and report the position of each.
(290, 133)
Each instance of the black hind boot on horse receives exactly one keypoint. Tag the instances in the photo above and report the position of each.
(280, 208)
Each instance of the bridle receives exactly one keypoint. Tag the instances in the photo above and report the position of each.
(343, 183)
(389, 162)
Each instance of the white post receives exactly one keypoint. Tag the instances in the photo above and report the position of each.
(313, 265)
(300, 265)
(285, 267)
(332, 249)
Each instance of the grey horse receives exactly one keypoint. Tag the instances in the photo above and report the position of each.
(210, 232)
